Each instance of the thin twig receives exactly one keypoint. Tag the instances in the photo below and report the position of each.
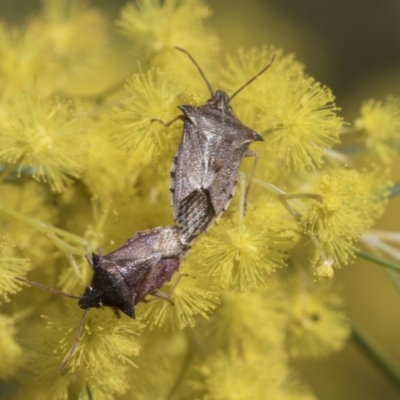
(387, 364)
(182, 373)
(43, 227)
(394, 276)
(378, 260)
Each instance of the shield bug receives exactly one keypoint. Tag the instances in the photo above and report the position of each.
(123, 278)
(206, 165)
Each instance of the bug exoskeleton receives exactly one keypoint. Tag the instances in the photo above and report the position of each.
(206, 165)
(124, 277)
(138, 268)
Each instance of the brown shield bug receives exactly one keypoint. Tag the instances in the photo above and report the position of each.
(205, 168)
(123, 278)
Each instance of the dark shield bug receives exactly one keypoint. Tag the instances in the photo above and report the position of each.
(206, 165)
(123, 278)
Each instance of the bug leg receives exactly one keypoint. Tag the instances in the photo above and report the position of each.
(158, 295)
(167, 124)
(163, 296)
(254, 154)
(101, 252)
(167, 296)
(285, 198)
(116, 313)
(76, 340)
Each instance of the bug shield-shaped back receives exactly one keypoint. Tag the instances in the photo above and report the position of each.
(217, 124)
(136, 269)
(124, 277)
(205, 168)
(214, 142)
(108, 286)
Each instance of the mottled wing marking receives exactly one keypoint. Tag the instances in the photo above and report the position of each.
(160, 274)
(223, 186)
(187, 159)
(195, 212)
(147, 260)
(135, 271)
(195, 166)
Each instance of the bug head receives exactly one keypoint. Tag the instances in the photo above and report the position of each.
(220, 100)
(90, 298)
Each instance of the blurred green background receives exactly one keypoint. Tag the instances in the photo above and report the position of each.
(353, 47)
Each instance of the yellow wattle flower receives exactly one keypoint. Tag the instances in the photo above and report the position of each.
(153, 95)
(10, 267)
(43, 137)
(11, 352)
(379, 128)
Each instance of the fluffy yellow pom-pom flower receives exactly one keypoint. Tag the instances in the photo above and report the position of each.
(10, 351)
(350, 202)
(44, 138)
(156, 27)
(317, 323)
(379, 126)
(10, 267)
(154, 95)
(243, 253)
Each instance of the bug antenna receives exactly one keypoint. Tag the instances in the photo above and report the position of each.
(76, 340)
(254, 77)
(44, 287)
(198, 67)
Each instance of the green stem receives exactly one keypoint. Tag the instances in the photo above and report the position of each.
(195, 343)
(283, 197)
(114, 88)
(74, 265)
(100, 218)
(182, 373)
(395, 278)
(44, 228)
(378, 260)
(304, 196)
(89, 392)
(65, 247)
(389, 366)
(274, 190)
